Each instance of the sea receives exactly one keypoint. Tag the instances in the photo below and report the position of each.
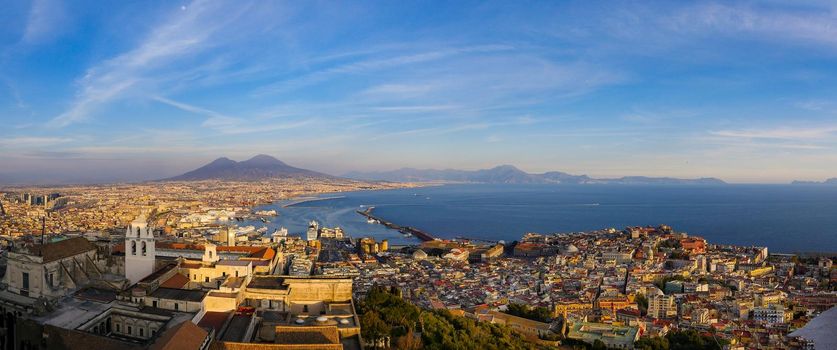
(785, 218)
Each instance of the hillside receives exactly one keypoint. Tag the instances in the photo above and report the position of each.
(508, 174)
(260, 167)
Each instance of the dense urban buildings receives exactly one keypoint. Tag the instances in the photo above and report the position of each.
(165, 266)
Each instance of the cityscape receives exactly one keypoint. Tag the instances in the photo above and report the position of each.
(236, 175)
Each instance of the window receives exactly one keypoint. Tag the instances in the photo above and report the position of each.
(51, 279)
(210, 254)
(133, 248)
(224, 274)
(206, 279)
(176, 306)
(141, 332)
(154, 303)
(138, 231)
(25, 276)
(236, 273)
(118, 328)
(195, 277)
(143, 249)
(130, 330)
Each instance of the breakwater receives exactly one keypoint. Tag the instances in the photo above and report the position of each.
(424, 236)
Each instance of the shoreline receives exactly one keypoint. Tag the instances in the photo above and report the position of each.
(774, 249)
(300, 200)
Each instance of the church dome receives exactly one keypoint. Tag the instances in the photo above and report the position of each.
(570, 249)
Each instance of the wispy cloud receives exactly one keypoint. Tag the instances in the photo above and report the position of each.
(184, 33)
(449, 129)
(414, 109)
(814, 26)
(786, 133)
(233, 125)
(46, 18)
(32, 141)
(372, 64)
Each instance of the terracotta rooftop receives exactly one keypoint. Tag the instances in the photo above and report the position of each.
(62, 249)
(252, 252)
(307, 335)
(183, 336)
(177, 281)
(225, 345)
(214, 320)
(60, 338)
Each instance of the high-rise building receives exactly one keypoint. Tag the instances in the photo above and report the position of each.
(662, 306)
(313, 230)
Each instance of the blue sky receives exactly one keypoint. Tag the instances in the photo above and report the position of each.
(141, 90)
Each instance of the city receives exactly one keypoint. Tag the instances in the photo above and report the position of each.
(167, 266)
(411, 175)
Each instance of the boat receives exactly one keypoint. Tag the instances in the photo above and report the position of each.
(371, 221)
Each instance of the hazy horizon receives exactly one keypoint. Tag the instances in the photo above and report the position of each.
(127, 92)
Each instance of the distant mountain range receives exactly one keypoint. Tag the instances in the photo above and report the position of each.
(260, 167)
(831, 181)
(507, 174)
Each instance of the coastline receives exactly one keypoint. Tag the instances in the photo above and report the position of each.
(306, 199)
(455, 211)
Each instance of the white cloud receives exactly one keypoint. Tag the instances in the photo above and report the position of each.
(787, 133)
(32, 141)
(234, 125)
(46, 18)
(184, 33)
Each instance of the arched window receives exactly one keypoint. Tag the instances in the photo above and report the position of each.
(133, 248)
(138, 231)
(210, 254)
(143, 248)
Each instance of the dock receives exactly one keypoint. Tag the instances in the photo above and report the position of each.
(424, 236)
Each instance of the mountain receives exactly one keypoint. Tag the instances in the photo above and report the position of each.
(507, 174)
(831, 181)
(257, 168)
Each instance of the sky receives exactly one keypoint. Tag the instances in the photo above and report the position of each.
(139, 90)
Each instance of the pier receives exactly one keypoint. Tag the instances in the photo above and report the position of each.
(424, 236)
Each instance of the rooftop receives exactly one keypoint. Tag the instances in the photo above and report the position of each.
(186, 335)
(307, 335)
(178, 294)
(61, 249)
(214, 320)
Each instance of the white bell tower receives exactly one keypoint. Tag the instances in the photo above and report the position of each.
(210, 253)
(139, 250)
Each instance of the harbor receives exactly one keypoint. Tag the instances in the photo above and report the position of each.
(424, 236)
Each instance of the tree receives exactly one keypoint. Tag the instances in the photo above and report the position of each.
(684, 340)
(385, 315)
(373, 327)
(652, 343)
(642, 304)
(540, 314)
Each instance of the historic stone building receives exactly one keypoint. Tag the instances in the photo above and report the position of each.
(139, 250)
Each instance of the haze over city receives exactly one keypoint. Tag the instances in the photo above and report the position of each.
(742, 91)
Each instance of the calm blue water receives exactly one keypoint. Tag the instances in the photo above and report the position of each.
(785, 218)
